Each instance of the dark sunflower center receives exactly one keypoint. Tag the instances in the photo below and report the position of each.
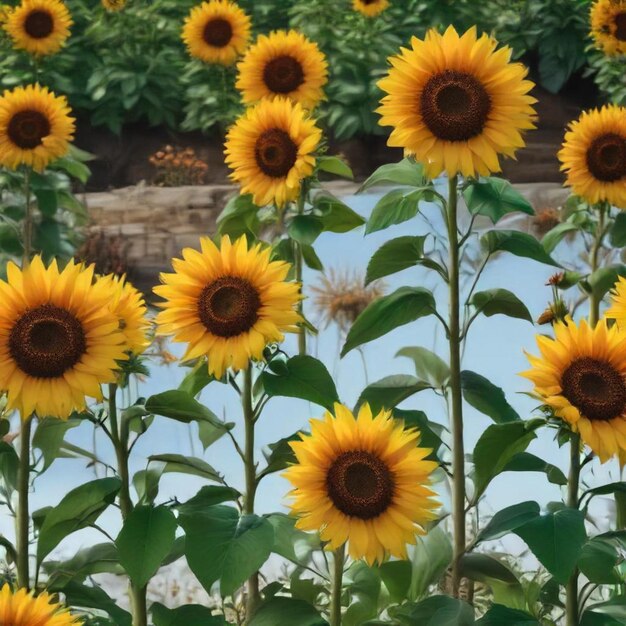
(455, 106)
(595, 388)
(47, 341)
(620, 26)
(606, 157)
(360, 484)
(229, 306)
(218, 32)
(283, 74)
(39, 24)
(28, 128)
(275, 152)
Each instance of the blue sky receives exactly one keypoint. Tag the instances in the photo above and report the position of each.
(495, 350)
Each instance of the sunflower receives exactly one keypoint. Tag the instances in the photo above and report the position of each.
(217, 32)
(370, 8)
(608, 26)
(617, 310)
(362, 480)
(21, 608)
(594, 156)
(128, 305)
(40, 27)
(581, 374)
(283, 64)
(227, 303)
(58, 338)
(271, 149)
(113, 5)
(456, 103)
(35, 127)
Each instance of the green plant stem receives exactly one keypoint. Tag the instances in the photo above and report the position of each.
(119, 434)
(571, 601)
(299, 266)
(339, 557)
(251, 479)
(23, 515)
(28, 220)
(456, 399)
(594, 301)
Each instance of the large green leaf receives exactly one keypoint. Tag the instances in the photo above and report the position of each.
(79, 508)
(495, 449)
(394, 256)
(604, 279)
(396, 576)
(398, 206)
(363, 586)
(500, 302)
(517, 243)
(485, 397)
(280, 455)
(499, 615)
(303, 377)
(508, 519)
(305, 229)
(181, 464)
(484, 567)
(222, 546)
(291, 543)
(403, 306)
(182, 407)
(391, 391)
(407, 172)
(281, 610)
(334, 165)
(334, 215)
(9, 465)
(187, 615)
(556, 539)
(428, 366)
(598, 561)
(526, 462)
(554, 236)
(430, 558)
(495, 198)
(49, 436)
(436, 611)
(146, 538)
(97, 559)
(207, 497)
(430, 432)
(617, 234)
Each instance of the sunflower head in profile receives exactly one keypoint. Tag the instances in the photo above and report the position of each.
(457, 103)
(59, 340)
(581, 375)
(364, 481)
(40, 27)
(283, 64)
(217, 32)
(128, 305)
(608, 26)
(22, 608)
(227, 303)
(594, 156)
(35, 127)
(617, 310)
(271, 149)
(113, 5)
(370, 8)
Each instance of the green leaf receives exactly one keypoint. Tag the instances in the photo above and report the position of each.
(495, 449)
(430, 558)
(407, 172)
(305, 378)
(499, 615)
(495, 198)
(335, 165)
(394, 256)
(336, 216)
(363, 586)
(604, 279)
(222, 546)
(604, 490)
(239, 217)
(280, 455)
(281, 610)
(554, 236)
(207, 497)
(436, 611)
(391, 391)
(97, 559)
(182, 464)
(146, 538)
(49, 436)
(598, 561)
(485, 397)
(483, 567)
(311, 259)
(526, 462)
(556, 539)
(500, 302)
(428, 366)
(517, 243)
(79, 508)
(9, 464)
(396, 576)
(197, 379)
(617, 234)
(508, 519)
(397, 206)
(291, 543)
(403, 306)
(609, 613)
(47, 201)
(430, 432)
(305, 229)
(187, 615)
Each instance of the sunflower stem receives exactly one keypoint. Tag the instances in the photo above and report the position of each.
(339, 558)
(28, 220)
(299, 265)
(571, 601)
(119, 434)
(253, 598)
(594, 301)
(23, 515)
(456, 401)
